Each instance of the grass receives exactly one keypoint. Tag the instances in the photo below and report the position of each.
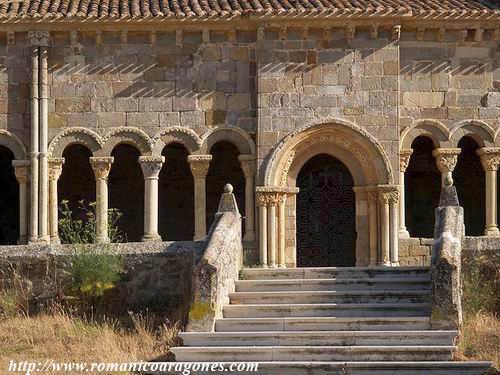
(480, 335)
(58, 336)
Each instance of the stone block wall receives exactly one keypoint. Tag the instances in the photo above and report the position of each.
(157, 276)
(126, 80)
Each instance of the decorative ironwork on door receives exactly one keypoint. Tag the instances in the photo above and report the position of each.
(326, 233)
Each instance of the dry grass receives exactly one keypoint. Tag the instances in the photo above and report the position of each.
(480, 338)
(61, 337)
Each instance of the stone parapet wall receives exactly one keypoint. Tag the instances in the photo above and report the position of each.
(157, 276)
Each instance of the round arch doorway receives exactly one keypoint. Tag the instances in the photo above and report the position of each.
(326, 214)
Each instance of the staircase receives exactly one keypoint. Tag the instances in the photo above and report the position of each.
(366, 321)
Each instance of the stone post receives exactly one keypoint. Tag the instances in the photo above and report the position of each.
(151, 166)
(445, 270)
(22, 171)
(199, 165)
(55, 170)
(101, 167)
(248, 166)
(404, 160)
(490, 158)
(262, 204)
(372, 197)
(446, 160)
(281, 230)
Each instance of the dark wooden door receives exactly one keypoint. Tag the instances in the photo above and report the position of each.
(326, 233)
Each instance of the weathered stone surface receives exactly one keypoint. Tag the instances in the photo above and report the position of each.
(446, 263)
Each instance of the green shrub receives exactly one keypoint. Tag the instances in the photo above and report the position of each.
(94, 267)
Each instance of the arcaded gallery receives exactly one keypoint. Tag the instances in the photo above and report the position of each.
(336, 129)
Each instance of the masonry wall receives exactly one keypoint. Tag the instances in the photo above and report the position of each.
(136, 83)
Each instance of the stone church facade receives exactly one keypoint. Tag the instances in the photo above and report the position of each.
(336, 122)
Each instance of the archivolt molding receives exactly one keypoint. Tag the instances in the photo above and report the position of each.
(479, 130)
(176, 134)
(433, 129)
(75, 135)
(304, 137)
(14, 144)
(239, 137)
(127, 135)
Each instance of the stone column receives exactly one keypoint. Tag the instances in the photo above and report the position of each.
(199, 165)
(372, 197)
(446, 160)
(271, 228)
(385, 230)
(262, 204)
(404, 160)
(33, 222)
(22, 171)
(55, 170)
(151, 166)
(43, 230)
(393, 221)
(101, 167)
(490, 158)
(281, 230)
(248, 166)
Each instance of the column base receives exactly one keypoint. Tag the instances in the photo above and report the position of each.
(263, 266)
(403, 233)
(102, 239)
(394, 264)
(55, 241)
(492, 231)
(249, 237)
(385, 264)
(23, 240)
(151, 238)
(198, 237)
(281, 266)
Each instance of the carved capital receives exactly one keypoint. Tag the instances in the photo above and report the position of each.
(101, 166)
(199, 165)
(55, 168)
(247, 163)
(39, 38)
(22, 170)
(404, 158)
(372, 194)
(446, 158)
(273, 196)
(151, 166)
(490, 158)
(388, 194)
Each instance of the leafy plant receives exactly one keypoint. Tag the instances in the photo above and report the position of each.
(14, 295)
(94, 267)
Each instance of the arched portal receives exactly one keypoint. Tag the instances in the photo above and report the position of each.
(359, 162)
(224, 168)
(422, 188)
(326, 214)
(176, 195)
(77, 181)
(9, 199)
(126, 191)
(470, 183)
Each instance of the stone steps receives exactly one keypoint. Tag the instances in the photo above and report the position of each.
(314, 353)
(327, 310)
(293, 285)
(326, 296)
(353, 368)
(332, 272)
(335, 321)
(323, 324)
(320, 338)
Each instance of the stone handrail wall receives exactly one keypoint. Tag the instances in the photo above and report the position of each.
(217, 268)
(446, 262)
